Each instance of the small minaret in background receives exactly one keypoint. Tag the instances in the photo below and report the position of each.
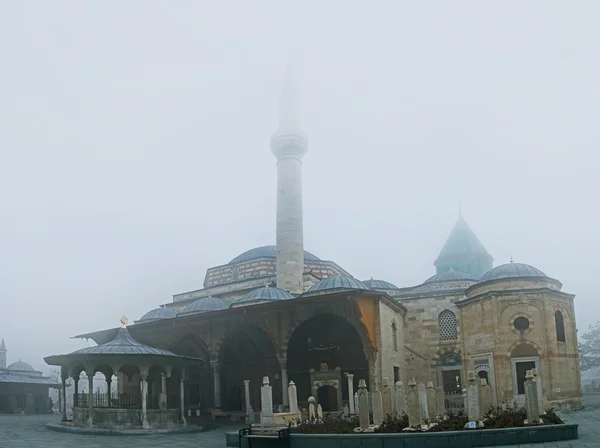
(289, 144)
(2, 355)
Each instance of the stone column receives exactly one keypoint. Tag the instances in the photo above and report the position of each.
(181, 400)
(217, 384)
(63, 392)
(247, 394)
(145, 423)
(163, 391)
(90, 376)
(76, 391)
(351, 393)
(284, 381)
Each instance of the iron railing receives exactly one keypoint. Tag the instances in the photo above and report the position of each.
(108, 400)
(454, 402)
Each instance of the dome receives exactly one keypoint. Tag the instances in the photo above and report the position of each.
(20, 366)
(511, 270)
(450, 276)
(123, 344)
(337, 282)
(266, 293)
(157, 314)
(378, 284)
(205, 304)
(265, 252)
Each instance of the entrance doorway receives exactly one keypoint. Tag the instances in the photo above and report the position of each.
(524, 357)
(449, 368)
(327, 398)
(521, 368)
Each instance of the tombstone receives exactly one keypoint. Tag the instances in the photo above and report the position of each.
(249, 411)
(473, 410)
(251, 415)
(422, 391)
(346, 410)
(431, 411)
(440, 404)
(531, 399)
(485, 396)
(465, 402)
(412, 404)
(538, 381)
(363, 404)
(266, 402)
(377, 407)
(293, 397)
(311, 408)
(350, 377)
(400, 399)
(319, 412)
(386, 397)
(355, 403)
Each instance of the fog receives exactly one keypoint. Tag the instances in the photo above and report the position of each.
(134, 145)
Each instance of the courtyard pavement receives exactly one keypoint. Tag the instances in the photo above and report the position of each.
(20, 431)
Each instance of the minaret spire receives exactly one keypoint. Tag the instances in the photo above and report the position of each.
(289, 144)
(2, 355)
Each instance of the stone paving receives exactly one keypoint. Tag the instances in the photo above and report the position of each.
(19, 431)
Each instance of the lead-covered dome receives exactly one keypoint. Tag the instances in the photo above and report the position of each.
(337, 282)
(378, 284)
(450, 276)
(512, 270)
(265, 252)
(265, 294)
(158, 314)
(20, 366)
(205, 304)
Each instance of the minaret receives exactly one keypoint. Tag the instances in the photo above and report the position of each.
(289, 144)
(2, 355)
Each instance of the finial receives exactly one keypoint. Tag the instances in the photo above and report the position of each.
(511, 259)
(124, 321)
(460, 209)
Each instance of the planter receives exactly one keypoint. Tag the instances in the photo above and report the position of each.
(449, 439)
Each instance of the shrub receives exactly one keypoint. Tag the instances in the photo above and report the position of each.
(550, 418)
(452, 422)
(505, 417)
(393, 424)
(331, 424)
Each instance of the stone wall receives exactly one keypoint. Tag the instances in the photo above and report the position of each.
(422, 335)
(391, 352)
(489, 327)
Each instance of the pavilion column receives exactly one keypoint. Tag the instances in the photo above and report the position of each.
(284, 381)
(76, 391)
(145, 423)
(163, 391)
(217, 384)
(63, 392)
(108, 383)
(90, 376)
(351, 393)
(181, 400)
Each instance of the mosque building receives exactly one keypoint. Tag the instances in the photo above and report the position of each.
(283, 312)
(22, 388)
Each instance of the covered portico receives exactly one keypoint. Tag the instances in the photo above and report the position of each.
(142, 371)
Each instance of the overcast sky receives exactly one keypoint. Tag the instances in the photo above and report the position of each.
(134, 145)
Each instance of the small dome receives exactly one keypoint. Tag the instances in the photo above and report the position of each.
(337, 282)
(511, 270)
(20, 366)
(205, 304)
(157, 314)
(450, 276)
(265, 252)
(266, 293)
(378, 284)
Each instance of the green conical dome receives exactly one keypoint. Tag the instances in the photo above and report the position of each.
(463, 252)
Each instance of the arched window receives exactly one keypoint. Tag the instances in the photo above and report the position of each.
(395, 336)
(560, 326)
(447, 324)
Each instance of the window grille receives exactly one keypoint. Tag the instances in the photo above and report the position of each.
(395, 336)
(447, 324)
